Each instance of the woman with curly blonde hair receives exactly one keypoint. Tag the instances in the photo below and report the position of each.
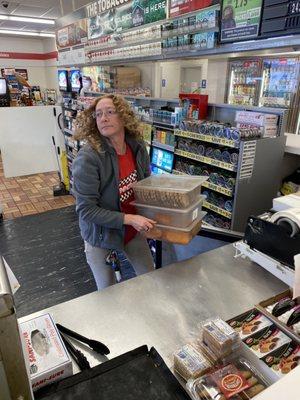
(113, 158)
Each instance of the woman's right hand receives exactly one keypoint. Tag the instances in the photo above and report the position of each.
(139, 222)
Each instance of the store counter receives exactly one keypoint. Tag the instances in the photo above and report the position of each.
(163, 308)
(26, 139)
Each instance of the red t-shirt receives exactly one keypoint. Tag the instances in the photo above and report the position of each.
(127, 176)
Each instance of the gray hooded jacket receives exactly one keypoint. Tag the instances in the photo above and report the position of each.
(96, 188)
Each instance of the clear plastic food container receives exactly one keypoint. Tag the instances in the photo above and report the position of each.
(170, 191)
(176, 235)
(180, 218)
(238, 380)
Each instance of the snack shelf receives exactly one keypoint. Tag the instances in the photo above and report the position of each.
(163, 124)
(209, 185)
(163, 146)
(207, 138)
(217, 188)
(217, 209)
(205, 160)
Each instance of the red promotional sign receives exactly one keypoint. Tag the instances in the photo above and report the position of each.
(28, 56)
(178, 7)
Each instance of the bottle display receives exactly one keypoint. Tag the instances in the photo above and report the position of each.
(280, 79)
(244, 82)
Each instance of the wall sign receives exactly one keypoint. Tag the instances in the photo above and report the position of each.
(72, 35)
(185, 6)
(130, 15)
(240, 19)
(101, 6)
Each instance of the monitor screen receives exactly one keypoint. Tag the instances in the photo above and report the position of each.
(74, 79)
(3, 87)
(63, 79)
(162, 159)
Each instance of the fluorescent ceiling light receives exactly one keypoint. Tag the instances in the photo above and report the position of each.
(26, 33)
(28, 19)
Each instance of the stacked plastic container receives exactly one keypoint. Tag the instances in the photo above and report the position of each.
(174, 202)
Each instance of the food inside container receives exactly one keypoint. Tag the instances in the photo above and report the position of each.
(221, 338)
(238, 380)
(267, 340)
(175, 235)
(180, 218)
(284, 359)
(171, 191)
(285, 309)
(249, 323)
(189, 363)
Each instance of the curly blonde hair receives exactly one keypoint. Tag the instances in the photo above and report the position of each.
(86, 127)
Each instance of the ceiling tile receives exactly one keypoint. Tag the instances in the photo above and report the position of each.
(52, 13)
(31, 11)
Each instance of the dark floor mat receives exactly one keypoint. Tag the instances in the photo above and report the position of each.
(45, 252)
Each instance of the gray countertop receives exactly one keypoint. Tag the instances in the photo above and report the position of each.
(164, 308)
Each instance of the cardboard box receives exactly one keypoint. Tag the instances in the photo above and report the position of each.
(267, 341)
(283, 360)
(256, 118)
(48, 357)
(250, 322)
(272, 300)
(127, 77)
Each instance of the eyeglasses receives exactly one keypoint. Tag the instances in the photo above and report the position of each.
(108, 113)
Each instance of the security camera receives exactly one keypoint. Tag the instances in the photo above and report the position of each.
(4, 4)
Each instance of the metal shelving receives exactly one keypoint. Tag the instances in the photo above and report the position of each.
(206, 160)
(163, 146)
(207, 138)
(217, 210)
(287, 43)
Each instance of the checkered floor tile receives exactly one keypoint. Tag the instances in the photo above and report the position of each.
(32, 194)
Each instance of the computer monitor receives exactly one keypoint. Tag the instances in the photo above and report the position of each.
(14, 375)
(3, 87)
(75, 75)
(162, 159)
(63, 83)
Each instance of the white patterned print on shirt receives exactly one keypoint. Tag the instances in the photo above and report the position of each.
(125, 186)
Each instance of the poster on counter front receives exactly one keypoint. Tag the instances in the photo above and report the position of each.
(72, 35)
(240, 19)
(130, 15)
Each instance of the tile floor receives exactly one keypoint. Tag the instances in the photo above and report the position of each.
(32, 194)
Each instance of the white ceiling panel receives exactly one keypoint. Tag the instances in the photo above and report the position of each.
(51, 9)
(24, 10)
(52, 13)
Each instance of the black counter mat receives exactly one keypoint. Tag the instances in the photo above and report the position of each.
(46, 253)
(137, 375)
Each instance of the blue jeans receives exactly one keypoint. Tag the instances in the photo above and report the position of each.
(137, 252)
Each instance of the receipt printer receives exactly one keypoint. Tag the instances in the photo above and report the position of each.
(277, 235)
